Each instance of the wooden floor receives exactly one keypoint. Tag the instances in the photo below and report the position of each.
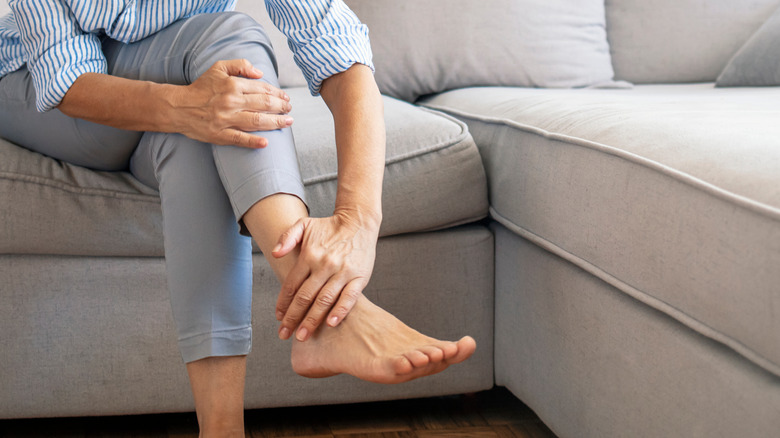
(494, 413)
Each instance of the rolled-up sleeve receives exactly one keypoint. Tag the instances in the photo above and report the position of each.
(58, 51)
(325, 37)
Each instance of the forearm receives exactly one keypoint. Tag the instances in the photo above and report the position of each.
(121, 103)
(358, 114)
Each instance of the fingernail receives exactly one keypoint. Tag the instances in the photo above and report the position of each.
(279, 315)
(288, 121)
(277, 248)
(286, 97)
(302, 333)
(332, 321)
(284, 333)
(288, 108)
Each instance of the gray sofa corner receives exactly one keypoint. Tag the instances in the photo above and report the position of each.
(613, 248)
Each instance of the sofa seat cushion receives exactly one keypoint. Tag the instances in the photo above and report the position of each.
(669, 192)
(433, 179)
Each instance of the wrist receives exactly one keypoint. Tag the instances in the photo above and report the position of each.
(363, 217)
(172, 98)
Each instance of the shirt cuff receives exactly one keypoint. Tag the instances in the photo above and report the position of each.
(57, 68)
(327, 55)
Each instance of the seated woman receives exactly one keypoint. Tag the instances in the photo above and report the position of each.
(183, 94)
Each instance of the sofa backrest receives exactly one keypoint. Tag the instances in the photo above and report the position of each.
(428, 46)
(651, 41)
(672, 41)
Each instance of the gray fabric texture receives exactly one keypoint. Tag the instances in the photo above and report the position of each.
(595, 363)
(663, 41)
(95, 336)
(757, 63)
(670, 193)
(431, 161)
(427, 46)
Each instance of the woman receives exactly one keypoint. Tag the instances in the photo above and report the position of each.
(183, 94)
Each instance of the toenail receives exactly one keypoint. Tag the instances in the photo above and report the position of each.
(302, 333)
(284, 333)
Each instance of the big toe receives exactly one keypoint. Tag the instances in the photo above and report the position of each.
(466, 346)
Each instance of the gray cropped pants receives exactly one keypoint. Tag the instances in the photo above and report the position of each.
(205, 189)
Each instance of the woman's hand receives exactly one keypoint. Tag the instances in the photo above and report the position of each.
(223, 106)
(226, 103)
(334, 266)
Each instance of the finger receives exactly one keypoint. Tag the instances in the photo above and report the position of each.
(239, 67)
(262, 87)
(322, 304)
(255, 121)
(347, 300)
(266, 103)
(295, 278)
(301, 302)
(236, 137)
(290, 239)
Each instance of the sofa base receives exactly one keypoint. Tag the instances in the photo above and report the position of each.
(593, 362)
(95, 335)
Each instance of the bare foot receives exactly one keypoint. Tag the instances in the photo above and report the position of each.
(373, 345)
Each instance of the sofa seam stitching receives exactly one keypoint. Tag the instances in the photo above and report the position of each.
(660, 305)
(93, 192)
(686, 178)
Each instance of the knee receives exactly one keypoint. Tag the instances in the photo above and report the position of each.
(233, 35)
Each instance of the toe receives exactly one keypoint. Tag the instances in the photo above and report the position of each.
(401, 365)
(418, 358)
(435, 354)
(466, 346)
(450, 349)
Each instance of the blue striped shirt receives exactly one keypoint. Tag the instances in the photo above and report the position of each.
(59, 40)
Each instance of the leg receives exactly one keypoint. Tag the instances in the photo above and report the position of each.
(203, 189)
(370, 343)
(209, 267)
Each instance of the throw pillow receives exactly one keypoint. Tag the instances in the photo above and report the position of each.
(428, 46)
(757, 63)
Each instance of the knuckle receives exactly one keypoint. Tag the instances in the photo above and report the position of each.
(311, 321)
(236, 138)
(325, 299)
(290, 321)
(257, 119)
(310, 257)
(302, 299)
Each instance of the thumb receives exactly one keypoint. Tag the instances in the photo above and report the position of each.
(241, 67)
(289, 239)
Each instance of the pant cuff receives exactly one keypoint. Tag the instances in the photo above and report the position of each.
(262, 185)
(223, 343)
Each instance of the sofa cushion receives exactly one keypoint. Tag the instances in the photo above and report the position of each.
(426, 46)
(757, 63)
(672, 41)
(434, 179)
(671, 193)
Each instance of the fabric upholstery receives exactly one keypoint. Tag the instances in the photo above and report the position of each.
(593, 362)
(431, 159)
(662, 41)
(670, 193)
(757, 63)
(426, 46)
(95, 336)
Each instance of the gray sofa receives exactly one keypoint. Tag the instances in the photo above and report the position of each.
(613, 248)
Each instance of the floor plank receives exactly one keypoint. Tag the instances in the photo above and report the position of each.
(494, 414)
